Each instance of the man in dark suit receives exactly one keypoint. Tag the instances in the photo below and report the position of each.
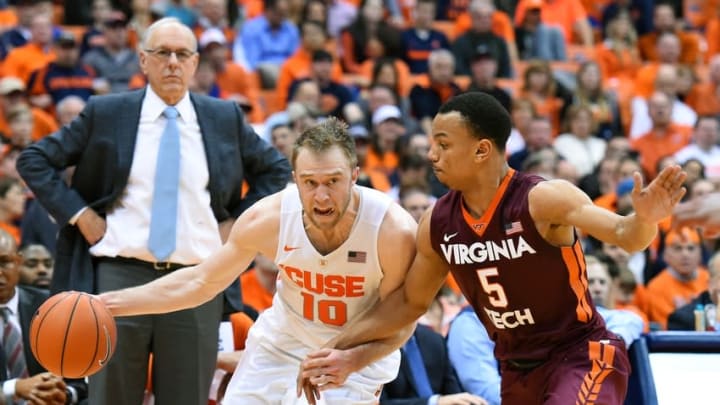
(684, 317)
(17, 306)
(438, 385)
(157, 186)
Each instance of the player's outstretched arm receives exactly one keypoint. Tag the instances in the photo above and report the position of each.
(703, 212)
(254, 231)
(406, 303)
(557, 203)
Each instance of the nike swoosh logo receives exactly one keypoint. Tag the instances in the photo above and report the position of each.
(289, 248)
(447, 237)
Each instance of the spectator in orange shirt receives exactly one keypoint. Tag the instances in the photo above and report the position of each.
(12, 205)
(387, 129)
(12, 93)
(683, 279)
(258, 284)
(36, 54)
(20, 124)
(664, 139)
(664, 21)
(540, 87)
(233, 80)
(668, 49)
(355, 37)
(569, 15)
(618, 55)
(314, 38)
(704, 98)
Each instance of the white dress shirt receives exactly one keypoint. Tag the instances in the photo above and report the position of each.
(641, 123)
(128, 222)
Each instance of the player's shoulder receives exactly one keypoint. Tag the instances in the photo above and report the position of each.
(266, 209)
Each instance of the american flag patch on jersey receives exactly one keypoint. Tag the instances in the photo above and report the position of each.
(513, 227)
(357, 257)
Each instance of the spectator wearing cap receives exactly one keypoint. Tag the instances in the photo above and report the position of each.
(483, 73)
(266, 42)
(115, 62)
(214, 15)
(37, 53)
(334, 96)
(239, 85)
(682, 280)
(421, 39)
(386, 131)
(480, 33)
(64, 77)
(428, 95)
(299, 65)
(536, 40)
(12, 93)
(569, 15)
(20, 34)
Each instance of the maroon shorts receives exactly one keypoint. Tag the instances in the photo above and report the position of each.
(594, 372)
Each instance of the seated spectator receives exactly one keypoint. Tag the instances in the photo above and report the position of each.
(537, 137)
(664, 139)
(334, 96)
(12, 205)
(68, 108)
(480, 33)
(64, 77)
(540, 87)
(569, 15)
(36, 266)
(238, 85)
(681, 281)
(258, 284)
(664, 21)
(639, 11)
(387, 129)
(266, 42)
(390, 72)
(704, 97)
(12, 94)
(115, 63)
(354, 38)
(416, 200)
(668, 50)
(179, 9)
(38, 52)
(579, 145)
(522, 113)
(602, 275)
(590, 92)
(213, 14)
(205, 80)
(282, 137)
(483, 73)
(20, 125)
(704, 148)
(18, 35)
(666, 81)
(427, 97)
(536, 40)
(93, 36)
(421, 39)
(412, 171)
(618, 55)
(368, 177)
(381, 93)
(683, 318)
(299, 65)
(426, 374)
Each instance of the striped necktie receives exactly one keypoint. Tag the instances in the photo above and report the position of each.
(13, 347)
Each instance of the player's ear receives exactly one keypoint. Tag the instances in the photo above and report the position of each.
(483, 148)
(355, 174)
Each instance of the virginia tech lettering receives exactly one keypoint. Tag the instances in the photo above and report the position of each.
(488, 251)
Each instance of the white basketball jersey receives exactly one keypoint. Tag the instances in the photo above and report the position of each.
(319, 294)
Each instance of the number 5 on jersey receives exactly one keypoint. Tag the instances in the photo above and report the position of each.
(329, 312)
(494, 290)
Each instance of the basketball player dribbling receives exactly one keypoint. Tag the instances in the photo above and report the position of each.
(510, 241)
(339, 247)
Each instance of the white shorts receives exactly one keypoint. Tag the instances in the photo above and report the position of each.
(267, 374)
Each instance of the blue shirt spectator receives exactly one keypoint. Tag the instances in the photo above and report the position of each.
(259, 42)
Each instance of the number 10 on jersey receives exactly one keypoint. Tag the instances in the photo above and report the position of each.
(329, 312)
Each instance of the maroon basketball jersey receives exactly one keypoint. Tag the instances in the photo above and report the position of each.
(531, 296)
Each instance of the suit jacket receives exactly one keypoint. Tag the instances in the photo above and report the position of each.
(101, 143)
(29, 299)
(441, 373)
(684, 317)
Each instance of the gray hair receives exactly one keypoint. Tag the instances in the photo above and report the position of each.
(440, 53)
(67, 101)
(163, 22)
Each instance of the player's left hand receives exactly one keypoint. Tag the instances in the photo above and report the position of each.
(328, 368)
(656, 201)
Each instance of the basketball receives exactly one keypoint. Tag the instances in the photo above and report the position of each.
(72, 334)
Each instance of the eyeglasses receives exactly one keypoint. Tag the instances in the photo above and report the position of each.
(182, 55)
(48, 263)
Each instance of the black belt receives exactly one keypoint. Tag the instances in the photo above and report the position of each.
(522, 364)
(159, 266)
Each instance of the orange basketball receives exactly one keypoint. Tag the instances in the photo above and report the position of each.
(72, 334)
